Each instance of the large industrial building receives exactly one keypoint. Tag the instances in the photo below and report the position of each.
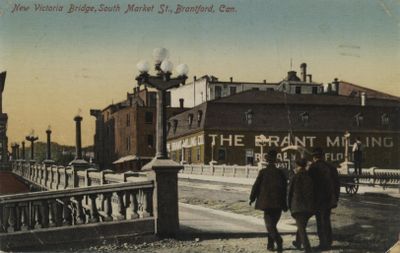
(226, 130)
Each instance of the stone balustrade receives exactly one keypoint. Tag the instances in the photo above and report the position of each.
(72, 199)
(74, 207)
(222, 170)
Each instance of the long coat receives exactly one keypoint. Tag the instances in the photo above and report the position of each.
(269, 189)
(301, 193)
(326, 184)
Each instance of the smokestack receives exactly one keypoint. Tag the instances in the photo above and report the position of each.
(195, 78)
(309, 78)
(363, 98)
(264, 81)
(231, 78)
(303, 68)
(78, 139)
(181, 103)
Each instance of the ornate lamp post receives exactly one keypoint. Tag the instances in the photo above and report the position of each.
(23, 150)
(78, 161)
(162, 81)
(48, 159)
(32, 138)
(161, 169)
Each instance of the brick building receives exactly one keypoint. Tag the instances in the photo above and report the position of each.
(125, 131)
(226, 130)
(3, 125)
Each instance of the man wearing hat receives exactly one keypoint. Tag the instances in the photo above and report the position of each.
(326, 194)
(269, 192)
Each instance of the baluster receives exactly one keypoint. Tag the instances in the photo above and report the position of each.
(37, 216)
(121, 207)
(2, 215)
(107, 206)
(52, 214)
(23, 216)
(10, 218)
(94, 214)
(144, 204)
(66, 213)
(80, 214)
(132, 210)
(58, 215)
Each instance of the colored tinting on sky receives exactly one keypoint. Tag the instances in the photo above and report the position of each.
(58, 62)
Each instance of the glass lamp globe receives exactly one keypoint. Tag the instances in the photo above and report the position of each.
(160, 54)
(166, 66)
(143, 66)
(182, 69)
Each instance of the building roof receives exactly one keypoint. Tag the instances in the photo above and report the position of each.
(278, 111)
(347, 89)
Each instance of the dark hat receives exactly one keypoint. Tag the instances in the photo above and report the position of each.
(318, 152)
(271, 155)
(301, 162)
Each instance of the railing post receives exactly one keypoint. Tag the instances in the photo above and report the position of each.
(164, 173)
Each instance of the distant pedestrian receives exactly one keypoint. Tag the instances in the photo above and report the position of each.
(301, 203)
(326, 194)
(269, 192)
(357, 156)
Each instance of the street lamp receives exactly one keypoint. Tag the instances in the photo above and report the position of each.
(32, 138)
(48, 147)
(162, 82)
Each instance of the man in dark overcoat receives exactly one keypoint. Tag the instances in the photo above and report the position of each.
(301, 202)
(269, 192)
(326, 194)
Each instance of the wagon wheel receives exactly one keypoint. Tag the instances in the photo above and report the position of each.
(352, 187)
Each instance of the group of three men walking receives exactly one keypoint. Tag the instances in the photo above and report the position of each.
(311, 192)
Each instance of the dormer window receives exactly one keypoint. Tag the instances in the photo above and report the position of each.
(190, 119)
(199, 116)
(359, 118)
(305, 117)
(385, 119)
(175, 124)
(249, 116)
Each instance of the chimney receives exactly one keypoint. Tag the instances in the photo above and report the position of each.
(303, 68)
(231, 78)
(329, 89)
(181, 103)
(336, 85)
(309, 78)
(264, 81)
(195, 78)
(363, 98)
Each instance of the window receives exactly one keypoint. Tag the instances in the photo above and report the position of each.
(359, 118)
(232, 90)
(128, 120)
(149, 118)
(218, 92)
(198, 154)
(189, 157)
(152, 99)
(128, 143)
(150, 141)
(249, 157)
(305, 117)
(190, 119)
(385, 119)
(175, 124)
(249, 116)
(221, 154)
(199, 116)
(173, 156)
(315, 90)
(298, 90)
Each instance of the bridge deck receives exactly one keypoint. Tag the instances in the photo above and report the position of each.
(9, 184)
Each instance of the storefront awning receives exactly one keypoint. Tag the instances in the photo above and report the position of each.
(131, 158)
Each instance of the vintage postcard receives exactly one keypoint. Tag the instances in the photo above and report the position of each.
(200, 126)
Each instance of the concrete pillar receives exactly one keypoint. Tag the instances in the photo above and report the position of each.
(23, 150)
(48, 133)
(78, 134)
(164, 172)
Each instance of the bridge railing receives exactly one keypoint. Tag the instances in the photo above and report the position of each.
(222, 170)
(74, 207)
